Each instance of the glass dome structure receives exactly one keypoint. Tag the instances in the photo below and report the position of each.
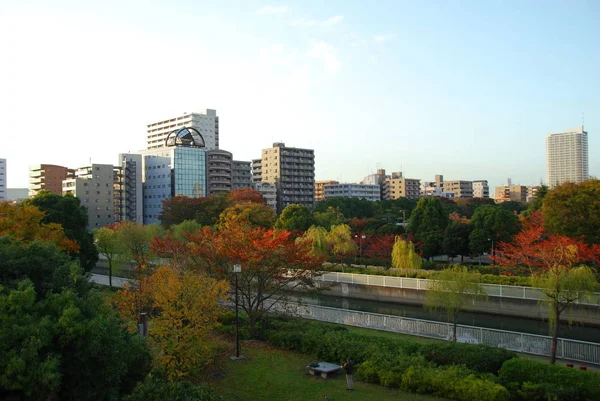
(189, 137)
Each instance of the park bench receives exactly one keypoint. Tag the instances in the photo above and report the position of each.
(323, 369)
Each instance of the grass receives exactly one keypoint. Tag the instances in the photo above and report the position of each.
(270, 374)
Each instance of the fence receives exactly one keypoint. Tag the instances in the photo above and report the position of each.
(493, 290)
(572, 350)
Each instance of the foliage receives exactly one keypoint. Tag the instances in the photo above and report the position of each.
(153, 388)
(24, 222)
(451, 290)
(246, 195)
(252, 213)
(340, 240)
(110, 245)
(456, 239)
(536, 204)
(180, 231)
(513, 206)
(295, 218)
(556, 262)
(205, 211)
(573, 210)
(533, 380)
(496, 223)
(189, 305)
(135, 239)
(329, 218)
(349, 207)
(317, 238)
(479, 358)
(379, 247)
(427, 223)
(72, 216)
(404, 255)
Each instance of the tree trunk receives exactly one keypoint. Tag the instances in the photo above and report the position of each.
(555, 333)
(454, 322)
(110, 273)
(462, 259)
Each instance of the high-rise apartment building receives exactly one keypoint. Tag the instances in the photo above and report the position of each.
(361, 191)
(396, 187)
(218, 171)
(132, 189)
(292, 170)
(256, 170)
(320, 189)
(99, 188)
(481, 189)
(241, 174)
(205, 122)
(567, 157)
(269, 191)
(47, 177)
(3, 188)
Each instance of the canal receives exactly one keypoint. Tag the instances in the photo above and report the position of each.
(575, 331)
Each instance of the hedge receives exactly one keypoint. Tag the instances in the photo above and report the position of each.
(479, 358)
(532, 380)
(153, 388)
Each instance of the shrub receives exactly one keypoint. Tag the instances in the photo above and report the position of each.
(479, 358)
(153, 388)
(527, 379)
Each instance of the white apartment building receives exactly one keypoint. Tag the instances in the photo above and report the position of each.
(430, 188)
(269, 191)
(206, 122)
(132, 193)
(567, 157)
(481, 189)
(361, 191)
(3, 189)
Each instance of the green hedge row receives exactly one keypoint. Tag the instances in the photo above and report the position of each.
(536, 381)
(153, 388)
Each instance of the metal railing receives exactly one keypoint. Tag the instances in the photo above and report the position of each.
(572, 350)
(492, 290)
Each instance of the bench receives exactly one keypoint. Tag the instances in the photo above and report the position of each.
(323, 369)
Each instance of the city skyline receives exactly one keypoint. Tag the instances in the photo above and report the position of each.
(469, 92)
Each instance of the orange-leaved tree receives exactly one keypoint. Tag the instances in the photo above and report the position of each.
(24, 223)
(557, 266)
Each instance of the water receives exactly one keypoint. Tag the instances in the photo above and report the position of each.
(577, 331)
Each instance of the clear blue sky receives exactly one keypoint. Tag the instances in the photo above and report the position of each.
(468, 89)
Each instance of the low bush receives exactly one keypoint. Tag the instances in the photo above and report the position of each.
(479, 358)
(153, 388)
(532, 380)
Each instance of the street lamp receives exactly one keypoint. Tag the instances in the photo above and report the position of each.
(236, 270)
(360, 241)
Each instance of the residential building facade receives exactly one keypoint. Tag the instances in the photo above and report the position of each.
(292, 170)
(460, 189)
(269, 191)
(481, 189)
(516, 193)
(396, 187)
(47, 177)
(567, 157)
(218, 171)
(241, 174)
(132, 188)
(3, 180)
(429, 188)
(256, 170)
(206, 122)
(320, 189)
(361, 191)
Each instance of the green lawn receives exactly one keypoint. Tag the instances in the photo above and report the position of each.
(274, 375)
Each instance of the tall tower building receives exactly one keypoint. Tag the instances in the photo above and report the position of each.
(292, 170)
(218, 171)
(206, 122)
(566, 157)
(131, 192)
(3, 190)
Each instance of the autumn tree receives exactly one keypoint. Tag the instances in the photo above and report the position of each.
(340, 241)
(189, 306)
(135, 239)
(574, 210)
(252, 213)
(110, 245)
(205, 211)
(452, 289)
(295, 218)
(246, 195)
(556, 263)
(379, 247)
(180, 231)
(404, 255)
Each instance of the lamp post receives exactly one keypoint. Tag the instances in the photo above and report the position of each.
(236, 270)
(360, 241)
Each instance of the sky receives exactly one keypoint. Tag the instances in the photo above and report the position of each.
(467, 89)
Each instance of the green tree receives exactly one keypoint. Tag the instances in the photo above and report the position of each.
(328, 218)
(536, 204)
(252, 213)
(295, 218)
(182, 230)
(574, 210)
(350, 207)
(428, 222)
(451, 290)
(340, 240)
(494, 222)
(404, 255)
(456, 239)
(110, 245)
(135, 239)
(317, 237)
(72, 216)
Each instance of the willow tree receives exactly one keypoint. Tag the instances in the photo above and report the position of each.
(451, 290)
(317, 237)
(404, 255)
(340, 240)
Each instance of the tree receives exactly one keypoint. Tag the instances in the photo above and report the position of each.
(295, 218)
(493, 222)
(110, 245)
(349, 207)
(379, 247)
(135, 239)
(328, 218)
(456, 239)
(404, 255)
(573, 210)
(180, 208)
(536, 204)
(190, 305)
(180, 231)
(427, 224)
(340, 240)
(246, 195)
(451, 289)
(72, 216)
(556, 262)
(252, 213)
(317, 238)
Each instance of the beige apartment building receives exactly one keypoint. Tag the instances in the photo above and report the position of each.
(461, 189)
(396, 187)
(47, 177)
(320, 189)
(516, 193)
(269, 191)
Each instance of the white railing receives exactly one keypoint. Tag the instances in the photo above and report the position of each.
(572, 350)
(492, 290)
